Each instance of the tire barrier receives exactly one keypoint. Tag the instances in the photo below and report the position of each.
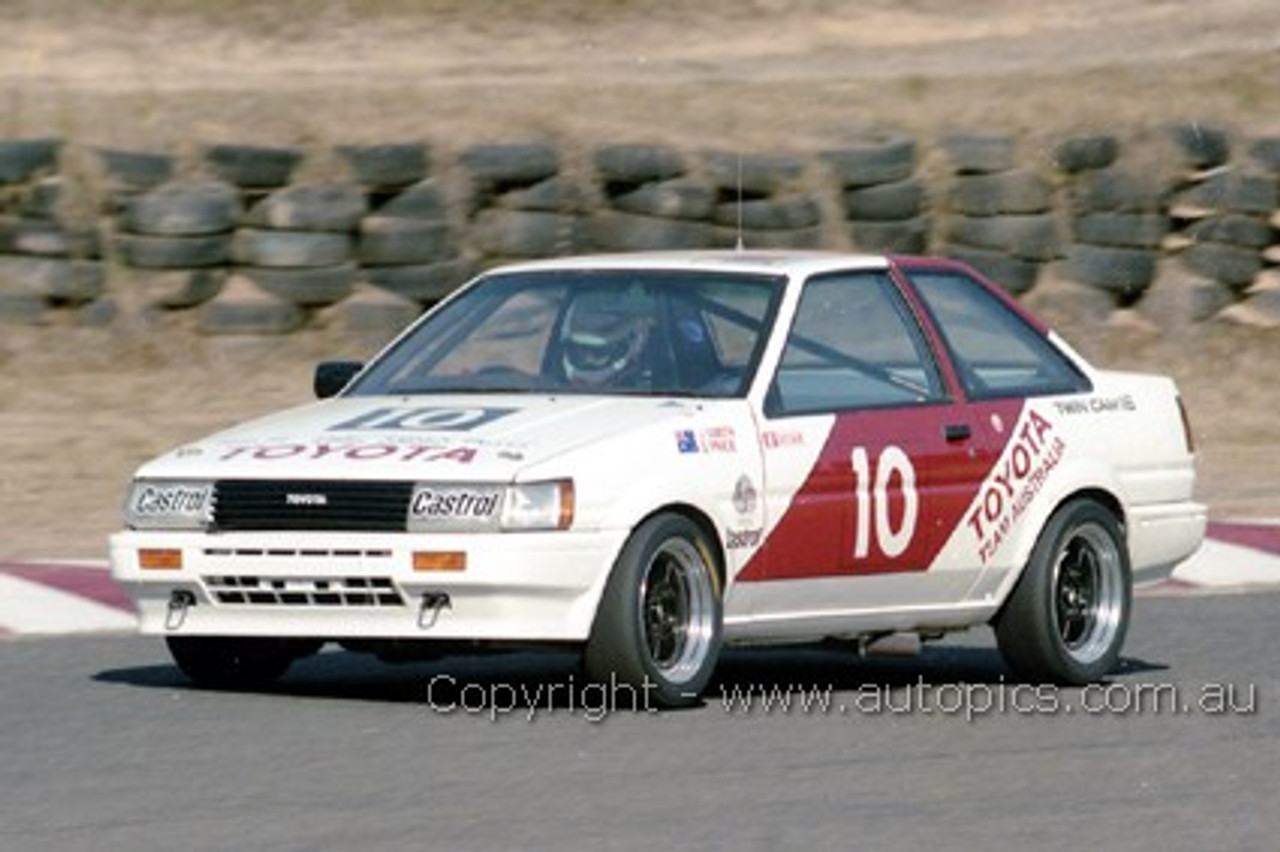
(883, 202)
(1181, 226)
(49, 262)
(998, 216)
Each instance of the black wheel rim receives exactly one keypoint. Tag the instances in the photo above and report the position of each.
(677, 610)
(1088, 593)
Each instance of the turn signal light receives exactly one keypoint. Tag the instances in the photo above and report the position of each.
(439, 560)
(160, 560)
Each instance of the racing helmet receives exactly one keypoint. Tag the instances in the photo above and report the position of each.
(603, 338)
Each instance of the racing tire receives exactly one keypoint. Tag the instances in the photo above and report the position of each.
(1201, 146)
(254, 166)
(659, 626)
(1086, 153)
(885, 202)
(756, 175)
(225, 662)
(625, 167)
(1017, 191)
(135, 169)
(184, 209)
(1067, 617)
(387, 165)
(334, 207)
(281, 248)
(21, 159)
(978, 153)
(771, 214)
(679, 198)
(882, 158)
(504, 167)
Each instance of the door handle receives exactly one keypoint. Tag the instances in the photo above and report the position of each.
(955, 432)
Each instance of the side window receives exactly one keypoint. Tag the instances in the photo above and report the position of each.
(853, 344)
(996, 352)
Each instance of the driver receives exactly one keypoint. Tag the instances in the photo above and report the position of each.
(604, 337)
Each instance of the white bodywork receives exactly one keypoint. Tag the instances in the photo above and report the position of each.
(721, 461)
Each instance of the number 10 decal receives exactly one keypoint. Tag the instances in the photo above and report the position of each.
(871, 498)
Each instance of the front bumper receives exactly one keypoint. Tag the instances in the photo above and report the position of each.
(515, 587)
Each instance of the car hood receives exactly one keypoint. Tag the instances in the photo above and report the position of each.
(451, 438)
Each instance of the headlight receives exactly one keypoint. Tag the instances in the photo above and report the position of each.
(538, 506)
(441, 507)
(168, 505)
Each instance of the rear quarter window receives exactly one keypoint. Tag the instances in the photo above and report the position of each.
(996, 352)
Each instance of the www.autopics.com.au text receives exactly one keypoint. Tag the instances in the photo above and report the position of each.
(596, 701)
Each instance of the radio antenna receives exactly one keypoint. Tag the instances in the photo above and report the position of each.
(740, 244)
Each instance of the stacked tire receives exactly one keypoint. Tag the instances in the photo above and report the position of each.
(523, 205)
(255, 170)
(126, 173)
(176, 239)
(998, 216)
(402, 200)
(1222, 215)
(651, 201)
(1260, 300)
(45, 263)
(883, 201)
(760, 202)
(1117, 220)
(293, 252)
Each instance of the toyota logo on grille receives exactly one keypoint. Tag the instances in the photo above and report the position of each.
(293, 499)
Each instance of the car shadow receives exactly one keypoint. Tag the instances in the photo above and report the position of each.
(512, 683)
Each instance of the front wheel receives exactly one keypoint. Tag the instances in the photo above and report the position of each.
(1066, 619)
(231, 662)
(658, 627)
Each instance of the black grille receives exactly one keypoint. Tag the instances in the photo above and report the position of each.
(311, 505)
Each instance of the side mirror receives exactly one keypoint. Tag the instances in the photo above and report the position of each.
(332, 376)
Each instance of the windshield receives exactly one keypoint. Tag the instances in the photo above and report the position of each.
(650, 332)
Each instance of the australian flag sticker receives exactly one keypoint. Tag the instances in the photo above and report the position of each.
(686, 441)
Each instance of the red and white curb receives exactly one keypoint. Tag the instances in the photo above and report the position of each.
(58, 598)
(65, 597)
(1233, 556)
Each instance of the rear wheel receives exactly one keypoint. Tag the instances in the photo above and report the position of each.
(227, 662)
(1066, 619)
(658, 628)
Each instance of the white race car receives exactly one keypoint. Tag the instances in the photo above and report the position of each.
(648, 456)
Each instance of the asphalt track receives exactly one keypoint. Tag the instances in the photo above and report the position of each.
(105, 746)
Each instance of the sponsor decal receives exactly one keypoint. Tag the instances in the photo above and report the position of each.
(781, 440)
(437, 502)
(717, 439)
(1096, 405)
(170, 500)
(1015, 482)
(745, 497)
(686, 441)
(741, 539)
(423, 419)
(389, 451)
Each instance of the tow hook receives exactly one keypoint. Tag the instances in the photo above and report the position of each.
(180, 600)
(429, 609)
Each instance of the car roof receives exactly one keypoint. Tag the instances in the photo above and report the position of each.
(776, 261)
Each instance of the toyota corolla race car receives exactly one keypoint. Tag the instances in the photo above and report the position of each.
(648, 456)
